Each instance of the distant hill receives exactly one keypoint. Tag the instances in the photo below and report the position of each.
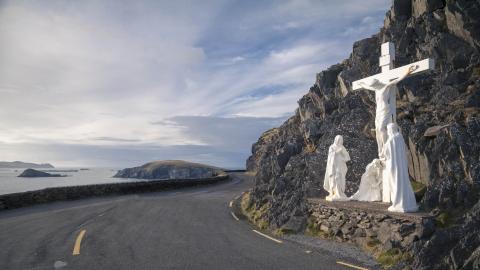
(34, 173)
(20, 164)
(170, 169)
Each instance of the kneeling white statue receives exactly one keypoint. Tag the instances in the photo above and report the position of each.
(334, 181)
(397, 187)
(370, 189)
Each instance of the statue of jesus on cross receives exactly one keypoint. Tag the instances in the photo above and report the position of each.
(384, 85)
(386, 111)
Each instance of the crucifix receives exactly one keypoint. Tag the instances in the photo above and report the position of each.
(384, 85)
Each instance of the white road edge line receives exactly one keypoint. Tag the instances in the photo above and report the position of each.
(351, 265)
(268, 237)
(234, 216)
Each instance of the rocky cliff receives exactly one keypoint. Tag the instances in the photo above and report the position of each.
(438, 113)
(170, 169)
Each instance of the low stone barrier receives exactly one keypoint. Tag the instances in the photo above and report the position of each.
(368, 225)
(21, 199)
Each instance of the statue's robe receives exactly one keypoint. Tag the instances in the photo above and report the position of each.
(397, 185)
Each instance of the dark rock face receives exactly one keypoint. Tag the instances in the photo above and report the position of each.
(35, 173)
(289, 161)
(170, 169)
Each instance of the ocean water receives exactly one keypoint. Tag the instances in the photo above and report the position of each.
(10, 183)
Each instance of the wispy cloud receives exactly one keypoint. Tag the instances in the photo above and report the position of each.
(97, 74)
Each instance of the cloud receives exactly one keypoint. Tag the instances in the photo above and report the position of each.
(95, 74)
(112, 139)
(230, 134)
(225, 142)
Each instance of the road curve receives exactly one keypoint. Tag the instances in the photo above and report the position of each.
(185, 229)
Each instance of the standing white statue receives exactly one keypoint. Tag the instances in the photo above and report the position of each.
(397, 185)
(334, 181)
(370, 188)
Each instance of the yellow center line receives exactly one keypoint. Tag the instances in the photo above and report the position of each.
(76, 247)
(351, 265)
(268, 237)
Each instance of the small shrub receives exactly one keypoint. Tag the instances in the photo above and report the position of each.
(390, 257)
(373, 242)
(419, 189)
(476, 72)
(313, 229)
(443, 220)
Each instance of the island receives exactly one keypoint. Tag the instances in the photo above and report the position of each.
(170, 169)
(20, 164)
(36, 173)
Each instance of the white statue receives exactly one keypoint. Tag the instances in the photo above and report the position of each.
(385, 99)
(397, 187)
(370, 188)
(334, 181)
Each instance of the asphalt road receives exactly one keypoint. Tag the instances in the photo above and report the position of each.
(185, 229)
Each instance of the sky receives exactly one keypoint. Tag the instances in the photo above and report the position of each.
(117, 83)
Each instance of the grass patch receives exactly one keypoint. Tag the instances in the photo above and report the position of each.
(313, 228)
(283, 231)
(256, 216)
(443, 220)
(476, 72)
(390, 257)
(310, 148)
(419, 189)
(372, 245)
(373, 242)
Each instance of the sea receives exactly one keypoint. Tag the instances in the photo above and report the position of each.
(10, 183)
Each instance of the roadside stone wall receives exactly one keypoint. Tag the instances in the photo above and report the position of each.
(369, 225)
(16, 200)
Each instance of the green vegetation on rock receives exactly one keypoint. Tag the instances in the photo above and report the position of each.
(443, 220)
(256, 216)
(390, 257)
(419, 189)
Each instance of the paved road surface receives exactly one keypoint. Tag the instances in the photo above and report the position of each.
(185, 229)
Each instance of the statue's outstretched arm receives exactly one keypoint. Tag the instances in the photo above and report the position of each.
(410, 70)
(365, 86)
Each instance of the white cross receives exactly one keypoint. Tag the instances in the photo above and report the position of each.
(384, 86)
(388, 72)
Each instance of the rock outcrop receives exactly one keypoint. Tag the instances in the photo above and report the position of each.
(35, 173)
(20, 164)
(438, 113)
(170, 169)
